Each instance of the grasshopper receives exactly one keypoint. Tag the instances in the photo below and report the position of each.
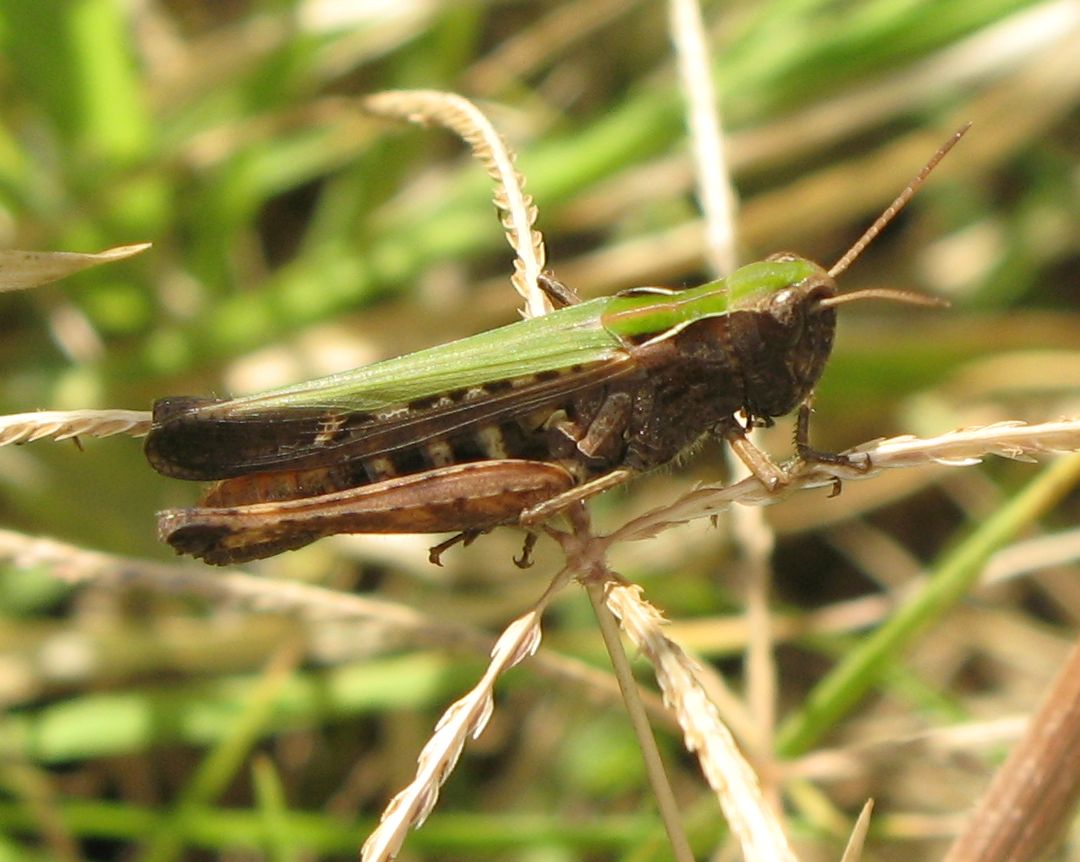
(514, 425)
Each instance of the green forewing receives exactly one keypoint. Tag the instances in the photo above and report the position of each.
(579, 334)
(557, 340)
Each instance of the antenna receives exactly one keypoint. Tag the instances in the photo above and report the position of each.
(901, 201)
(904, 297)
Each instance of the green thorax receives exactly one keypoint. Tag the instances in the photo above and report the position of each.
(654, 314)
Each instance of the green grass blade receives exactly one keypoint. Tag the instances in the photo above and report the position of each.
(950, 581)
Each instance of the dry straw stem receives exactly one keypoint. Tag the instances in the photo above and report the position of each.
(310, 604)
(752, 821)
(964, 447)
(597, 587)
(79, 567)
(517, 210)
(1032, 799)
(465, 718)
(718, 200)
(975, 738)
(853, 851)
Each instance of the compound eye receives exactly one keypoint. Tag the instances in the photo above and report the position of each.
(786, 308)
(785, 300)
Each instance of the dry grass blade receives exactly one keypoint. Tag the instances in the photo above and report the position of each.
(78, 566)
(751, 819)
(1017, 440)
(1032, 799)
(666, 802)
(464, 718)
(22, 269)
(518, 212)
(718, 200)
(65, 424)
(854, 849)
(756, 542)
(719, 203)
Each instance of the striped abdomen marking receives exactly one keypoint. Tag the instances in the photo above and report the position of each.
(506, 441)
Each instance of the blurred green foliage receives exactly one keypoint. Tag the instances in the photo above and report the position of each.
(292, 235)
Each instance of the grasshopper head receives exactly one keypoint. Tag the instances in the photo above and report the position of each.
(785, 338)
(784, 343)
